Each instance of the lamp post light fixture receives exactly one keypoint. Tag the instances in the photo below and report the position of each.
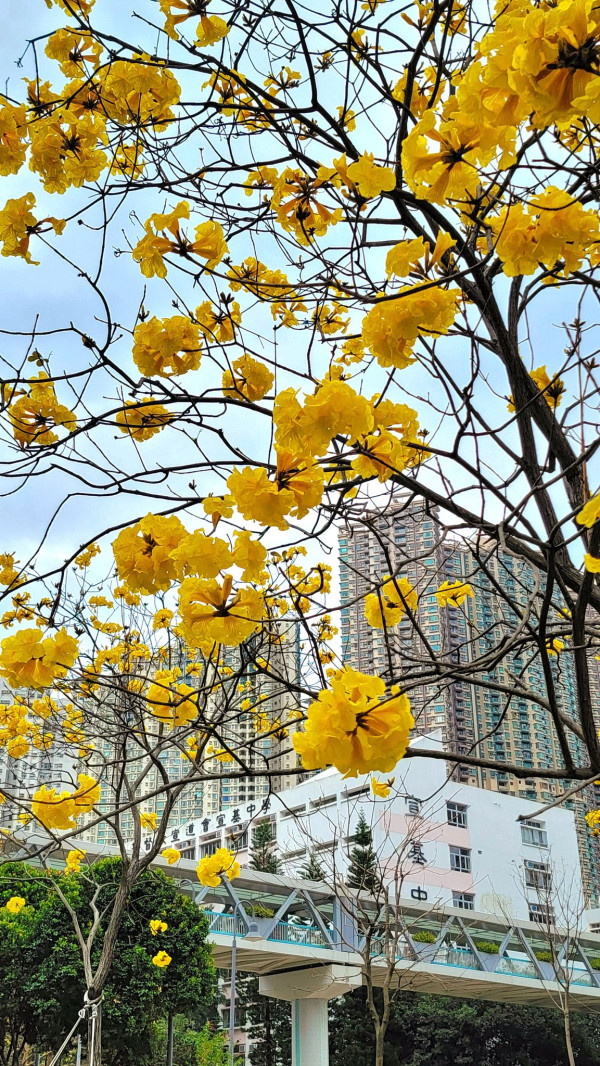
(251, 937)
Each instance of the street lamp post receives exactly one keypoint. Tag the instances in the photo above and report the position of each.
(232, 986)
(252, 936)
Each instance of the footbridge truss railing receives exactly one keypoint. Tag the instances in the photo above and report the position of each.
(296, 917)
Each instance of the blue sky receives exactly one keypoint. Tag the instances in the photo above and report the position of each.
(55, 293)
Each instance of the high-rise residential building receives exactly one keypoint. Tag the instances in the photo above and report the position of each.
(57, 767)
(271, 691)
(264, 671)
(404, 541)
(494, 717)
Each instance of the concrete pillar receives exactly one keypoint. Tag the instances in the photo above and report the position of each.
(310, 1032)
(309, 991)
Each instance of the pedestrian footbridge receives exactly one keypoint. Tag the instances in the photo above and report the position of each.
(306, 943)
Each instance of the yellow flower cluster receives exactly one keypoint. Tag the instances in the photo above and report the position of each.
(143, 419)
(211, 869)
(162, 959)
(9, 574)
(590, 512)
(296, 488)
(354, 726)
(60, 811)
(539, 62)
(139, 93)
(554, 230)
(216, 324)
(72, 49)
(169, 701)
(215, 613)
(201, 556)
(143, 553)
(30, 660)
(384, 610)
(382, 789)
(391, 328)
(35, 417)
(64, 151)
(18, 224)
(209, 30)
(74, 860)
(172, 855)
(248, 379)
(163, 235)
(334, 410)
(166, 346)
(13, 137)
(157, 926)
(297, 208)
(18, 732)
(367, 176)
(453, 593)
(393, 444)
(441, 155)
(15, 904)
(270, 286)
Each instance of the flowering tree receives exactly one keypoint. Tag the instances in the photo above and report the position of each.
(43, 971)
(292, 261)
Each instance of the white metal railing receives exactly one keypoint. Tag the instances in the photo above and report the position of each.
(284, 932)
(226, 923)
(290, 933)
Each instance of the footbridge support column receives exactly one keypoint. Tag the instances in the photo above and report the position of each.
(309, 991)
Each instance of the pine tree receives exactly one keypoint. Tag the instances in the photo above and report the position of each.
(264, 850)
(268, 1021)
(312, 869)
(362, 868)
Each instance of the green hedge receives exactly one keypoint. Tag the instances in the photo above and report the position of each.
(486, 946)
(424, 936)
(258, 911)
(543, 956)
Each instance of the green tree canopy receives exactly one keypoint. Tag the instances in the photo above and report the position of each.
(312, 870)
(441, 1031)
(43, 982)
(362, 869)
(191, 1047)
(264, 850)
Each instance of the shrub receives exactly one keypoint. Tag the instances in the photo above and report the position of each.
(486, 946)
(424, 936)
(258, 911)
(543, 955)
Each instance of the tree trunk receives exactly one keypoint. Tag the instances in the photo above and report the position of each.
(380, 1032)
(568, 1042)
(94, 1055)
(170, 1040)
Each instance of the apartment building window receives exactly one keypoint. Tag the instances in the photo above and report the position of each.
(540, 913)
(456, 814)
(537, 874)
(210, 848)
(534, 833)
(413, 804)
(465, 901)
(460, 859)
